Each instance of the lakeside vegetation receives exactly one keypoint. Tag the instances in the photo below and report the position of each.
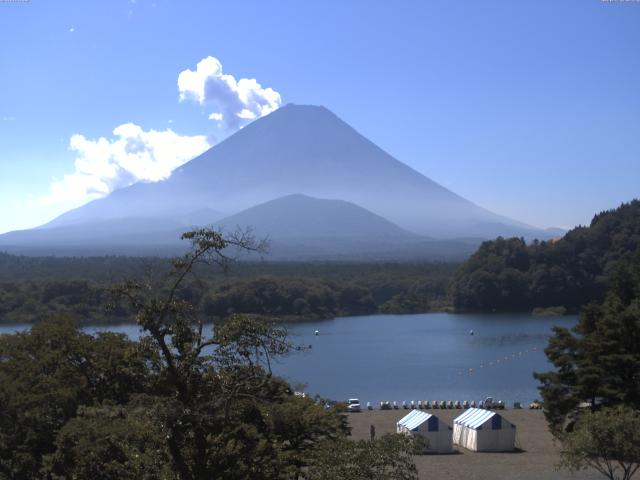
(592, 395)
(508, 274)
(32, 288)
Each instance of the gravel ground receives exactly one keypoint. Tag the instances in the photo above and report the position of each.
(535, 458)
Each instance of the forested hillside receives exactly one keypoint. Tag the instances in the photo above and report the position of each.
(33, 288)
(508, 274)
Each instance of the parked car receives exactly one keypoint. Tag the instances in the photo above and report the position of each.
(488, 403)
(353, 405)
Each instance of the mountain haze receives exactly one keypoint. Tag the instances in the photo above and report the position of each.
(300, 227)
(319, 218)
(295, 150)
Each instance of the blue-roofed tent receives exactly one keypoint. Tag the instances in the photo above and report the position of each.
(436, 433)
(484, 431)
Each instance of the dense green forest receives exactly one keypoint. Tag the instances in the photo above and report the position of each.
(32, 288)
(592, 394)
(598, 360)
(508, 274)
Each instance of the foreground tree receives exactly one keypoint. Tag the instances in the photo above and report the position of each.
(608, 441)
(217, 403)
(598, 361)
(182, 403)
(389, 457)
(46, 374)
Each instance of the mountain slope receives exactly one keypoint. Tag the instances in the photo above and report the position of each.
(298, 227)
(309, 150)
(302, 217)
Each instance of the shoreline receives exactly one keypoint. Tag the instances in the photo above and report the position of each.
(302, 319)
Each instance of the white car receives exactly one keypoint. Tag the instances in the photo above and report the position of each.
(353, 405)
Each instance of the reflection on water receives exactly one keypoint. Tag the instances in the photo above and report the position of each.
(413, 357)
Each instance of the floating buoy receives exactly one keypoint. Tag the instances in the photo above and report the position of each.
(470, 332)
(316, 333)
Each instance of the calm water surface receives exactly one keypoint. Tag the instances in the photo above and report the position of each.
(414, 357)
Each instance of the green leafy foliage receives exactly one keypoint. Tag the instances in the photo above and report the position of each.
(47, 374)
(290, 297)
(33, 288)
(598, 361)
(389, 457)
(508, 274)
(607, 441)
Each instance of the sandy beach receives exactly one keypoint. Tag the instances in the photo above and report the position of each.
(535, 458)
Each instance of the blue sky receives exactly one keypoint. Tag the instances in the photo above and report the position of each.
(530, 109)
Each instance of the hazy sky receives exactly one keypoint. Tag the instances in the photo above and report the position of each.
(530, 109)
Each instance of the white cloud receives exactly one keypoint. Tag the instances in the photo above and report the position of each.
(133, 155)
(238, 101)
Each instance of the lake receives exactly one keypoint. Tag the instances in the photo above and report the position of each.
(414, 357)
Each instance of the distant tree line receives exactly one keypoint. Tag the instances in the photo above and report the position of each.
(508, 274)
(33, 288)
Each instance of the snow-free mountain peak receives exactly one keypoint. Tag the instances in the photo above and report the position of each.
(300, 149)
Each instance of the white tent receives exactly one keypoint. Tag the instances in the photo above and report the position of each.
(437, 433)
(484, 431)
